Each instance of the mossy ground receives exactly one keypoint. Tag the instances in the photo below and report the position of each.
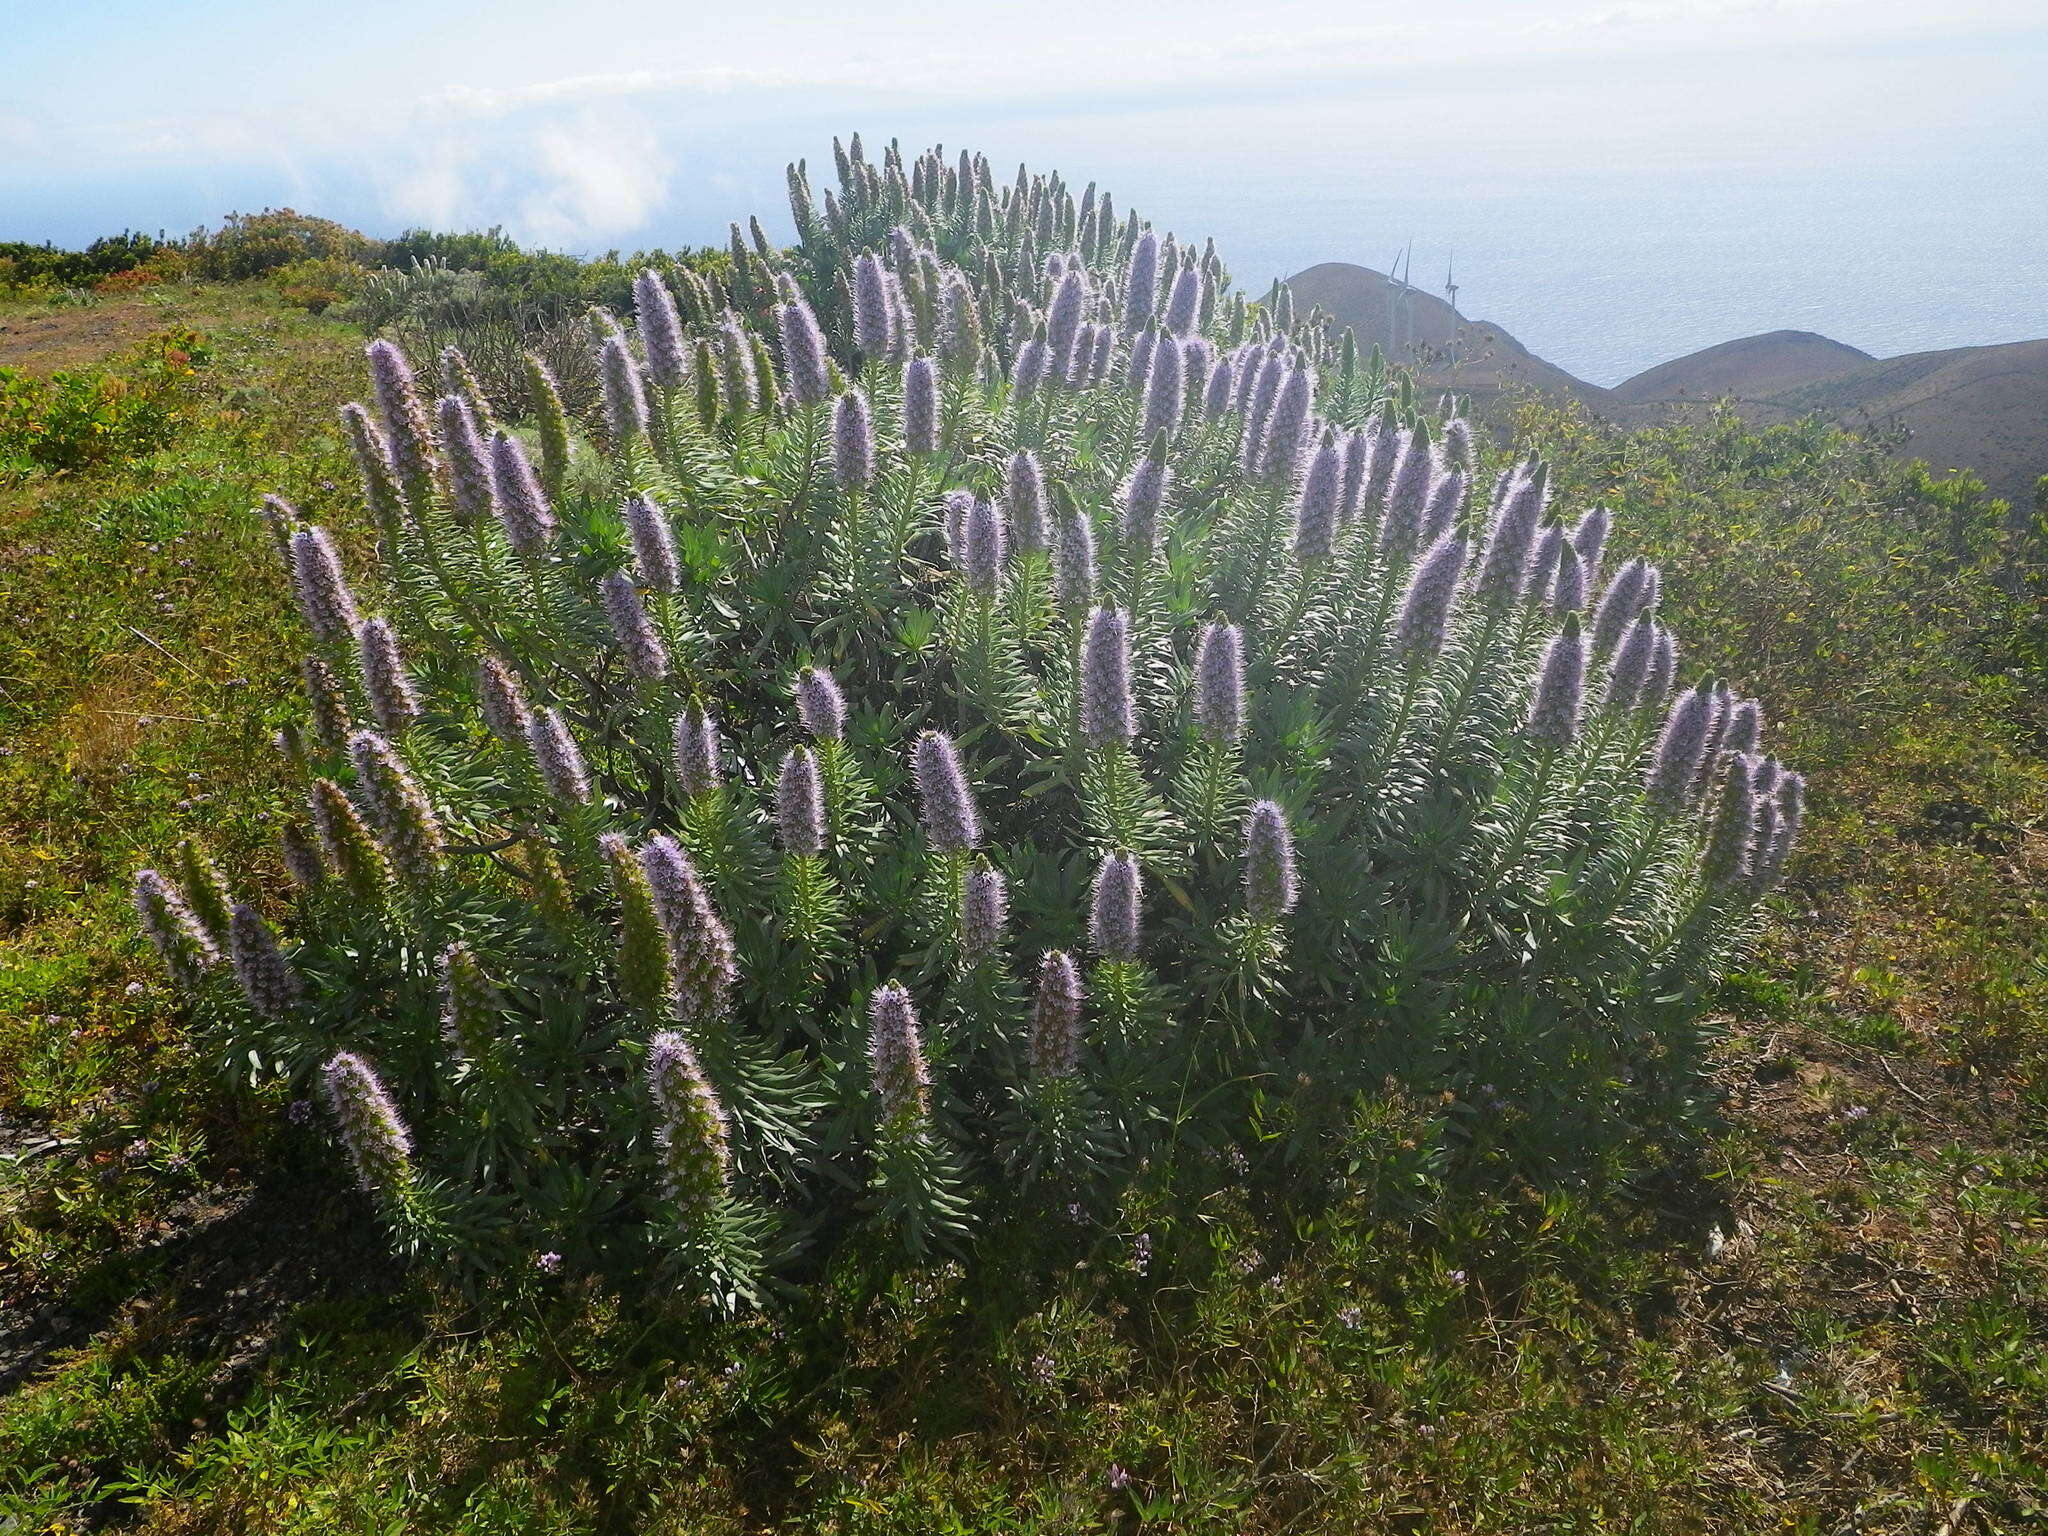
(1833, 1320)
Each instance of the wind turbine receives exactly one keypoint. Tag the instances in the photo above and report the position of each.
(1451, 280)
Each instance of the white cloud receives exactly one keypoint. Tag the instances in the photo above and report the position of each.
(595, 177)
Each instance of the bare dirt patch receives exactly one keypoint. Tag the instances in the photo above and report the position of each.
(47, 341)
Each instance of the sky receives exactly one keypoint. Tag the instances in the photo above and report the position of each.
(1576, 159)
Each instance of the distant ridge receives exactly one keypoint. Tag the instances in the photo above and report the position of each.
(1982, 409)
(1473, 356)
(1755, 367)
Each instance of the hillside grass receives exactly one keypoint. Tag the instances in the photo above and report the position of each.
(1834, 1320)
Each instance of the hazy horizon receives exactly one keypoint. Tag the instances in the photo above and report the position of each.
(1617, 184)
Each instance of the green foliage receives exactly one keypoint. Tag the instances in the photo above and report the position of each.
(1507, 928)
(255, 244)
(73, 420)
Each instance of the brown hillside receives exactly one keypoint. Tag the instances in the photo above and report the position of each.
(1451, 352)
(1751, 368)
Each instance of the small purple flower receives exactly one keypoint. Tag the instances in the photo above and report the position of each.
(1033, 367)
(1280, 452)
(1271, 884)
(1216, 398)
(1108, 715)
(946, 804)
(1142, 495)
(1114, 930)
(1164, 398)
(1663, 670)
(549, 1263)
(1073, 569)
(697, 751)
(983, 546)
(1568, 592)
(646, 657)
(501, 701)
(299, 1112)
(706, 966)
(661, 330)
(853, 442)
(404, 416)
(1589, 539)
(1184, 301)
(1504, 569)
(874, 328)
(819, 704)
(1063, 322)
(1745, 728)
(1734, 830)
(800, 804)
(1407, 497)
(1626, 596)
(399, 810)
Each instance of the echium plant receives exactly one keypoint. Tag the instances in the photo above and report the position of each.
(978, 714)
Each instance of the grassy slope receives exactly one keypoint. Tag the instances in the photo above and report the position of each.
(1841, 1322)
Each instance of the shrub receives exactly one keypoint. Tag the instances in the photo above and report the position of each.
(74, 420)
(253, 244)
(1018, 722)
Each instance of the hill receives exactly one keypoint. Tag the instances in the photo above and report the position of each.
(1447, 350)
(1752, 368)
(1975, 408)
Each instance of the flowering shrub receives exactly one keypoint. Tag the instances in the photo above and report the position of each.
(982, 711)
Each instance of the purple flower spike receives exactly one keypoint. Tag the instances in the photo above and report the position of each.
(1056, 1018)
(558, 758)
(1108, 716)
(1280, 454)
(1063, 323)
(399, 810)
(902, 1082)
(874, 327)
(921, 406)
(1184, 302)
(1217, 397)
(324, 597)
(371, 1128)
(1407, 497)
(690, 1132)
(1663, 670)
(1141, 282)
(1197, 362)
(853, 442)
(625, 403)
(1033, 367)
(803, 353)
(1504, 569)
(1114, 926)
(1745, 728)
(820, 705)
(1589, 538)
(800, 804)
(1271, 883)
(1219, 682)
(268, 980)
(394, 705)
(1073, 569)
(170, 925)
(1625, 597)
(1440, 512)
(654, 544)
(1568, 592)
(1315, 515)
(1143, 493)
(1163, 393)
(1730, 840)
(1432, 592)
(471, 496)
(646, 656)
(404, 415)
(705, 964)
(946, 804)
(502, 702)
(983, 545)
(661, 330)
(1357, 463)
(522, 505)
(1560, 689)
(1681, 748)
(1024, 501)
(1630, 669)
(984, 912)
(697, 752)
